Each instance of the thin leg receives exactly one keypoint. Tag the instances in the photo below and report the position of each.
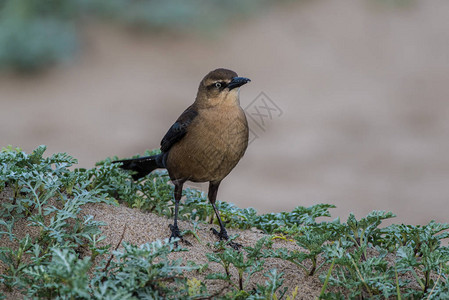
(175, 233)
(178, 196)
(223, 234)
(213, 189)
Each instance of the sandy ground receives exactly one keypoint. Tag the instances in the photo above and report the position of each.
(360, 87)
(138, 233)
(144, 227)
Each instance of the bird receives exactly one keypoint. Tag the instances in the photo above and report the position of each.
(204, 144)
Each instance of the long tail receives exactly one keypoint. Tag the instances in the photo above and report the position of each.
(142, 165)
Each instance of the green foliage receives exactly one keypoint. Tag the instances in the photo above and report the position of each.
(172, 15)
(246, 264)
(311, 238)
(145, 271)
(369, 260)
(12, 258)
(300, 215)
(270, 290)
(47, 195)
(370, 277)
(34, 34)
(38, 33)
(65, 274)
(67, 258)
(395, 236)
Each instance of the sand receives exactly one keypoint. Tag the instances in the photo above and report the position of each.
(362, 86)
(142, 227)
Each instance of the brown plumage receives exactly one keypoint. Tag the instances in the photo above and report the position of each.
(205, 143)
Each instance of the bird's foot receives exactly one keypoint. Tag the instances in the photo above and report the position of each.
(175, 233)
(223, 235)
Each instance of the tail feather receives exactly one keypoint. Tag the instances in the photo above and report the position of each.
(142, 165)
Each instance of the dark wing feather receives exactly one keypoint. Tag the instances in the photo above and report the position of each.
(179, 129)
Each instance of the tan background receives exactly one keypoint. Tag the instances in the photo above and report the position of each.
(363, 87)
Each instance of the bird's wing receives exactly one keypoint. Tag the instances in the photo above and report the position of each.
(179, 129)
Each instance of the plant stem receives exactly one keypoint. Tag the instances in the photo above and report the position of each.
(323, 289)
(436, 282)
(417, 278)
(361, 278)
(397, 284)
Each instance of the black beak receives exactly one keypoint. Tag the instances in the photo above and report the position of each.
(238, 82)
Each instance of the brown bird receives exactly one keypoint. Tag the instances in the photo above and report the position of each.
(204, 144)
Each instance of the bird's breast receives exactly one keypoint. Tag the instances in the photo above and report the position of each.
(214, 143)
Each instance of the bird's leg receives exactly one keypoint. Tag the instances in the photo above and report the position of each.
(175, 233)
(223, 234)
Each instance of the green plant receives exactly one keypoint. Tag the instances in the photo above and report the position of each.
(269, 290)
(13, 259)
(45, 194)
(246, 265)
(366, 230)
(34, 34)
(356, 259)
(64, 275)
(309, 238)
(369, 261)
(39, 33)
(145, 271)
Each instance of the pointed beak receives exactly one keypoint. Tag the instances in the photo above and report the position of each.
(238, 82)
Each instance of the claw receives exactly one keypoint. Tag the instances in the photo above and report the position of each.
(175, 233)
(223, 235)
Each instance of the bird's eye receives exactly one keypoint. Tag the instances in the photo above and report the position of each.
(217, 85)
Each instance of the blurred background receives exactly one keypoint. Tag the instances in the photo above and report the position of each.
(354, 110)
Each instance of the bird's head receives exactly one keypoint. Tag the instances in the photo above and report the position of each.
(220, 86)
